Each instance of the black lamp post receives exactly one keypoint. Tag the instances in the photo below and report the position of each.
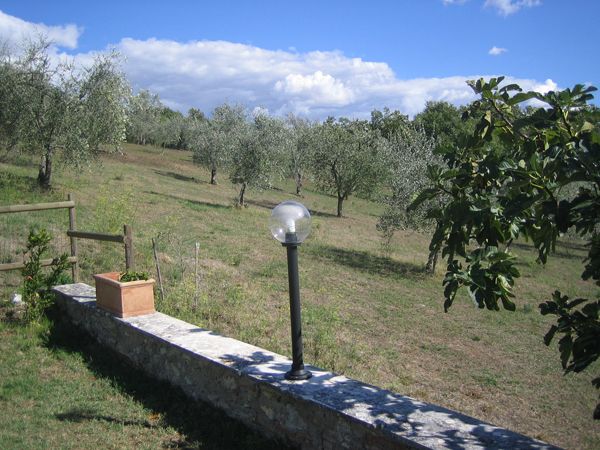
(290, 225)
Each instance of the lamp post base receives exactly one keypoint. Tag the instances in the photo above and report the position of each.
(296, 375)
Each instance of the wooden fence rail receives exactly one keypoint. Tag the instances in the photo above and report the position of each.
(97, 236)
(36, 207)
(126, 238)
(43, 263)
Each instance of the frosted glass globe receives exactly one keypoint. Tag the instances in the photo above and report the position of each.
(290, 222)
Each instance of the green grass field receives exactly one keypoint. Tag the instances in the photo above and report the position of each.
(59, 389)
(369, 314)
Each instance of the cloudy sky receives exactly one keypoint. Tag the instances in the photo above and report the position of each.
(319, 58)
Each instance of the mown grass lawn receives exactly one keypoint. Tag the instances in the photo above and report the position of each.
(61, 390)
(370, 314)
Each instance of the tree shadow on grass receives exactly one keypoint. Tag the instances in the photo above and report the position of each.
(79, 415)
(16, 158)
(324, 214)
(192, 203)
(270, 205)
(21, 182)
(179, 177)
(571, 245)
(262, 203)
(417, 424)
(367, 262)
(566, 250)
(200, 424)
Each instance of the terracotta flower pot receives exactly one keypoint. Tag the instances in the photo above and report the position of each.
(132, 298)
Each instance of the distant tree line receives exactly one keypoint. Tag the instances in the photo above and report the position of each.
(151, 122)
(385, 157)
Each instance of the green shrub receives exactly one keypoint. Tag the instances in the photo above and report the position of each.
(133, 276)
(37, 283)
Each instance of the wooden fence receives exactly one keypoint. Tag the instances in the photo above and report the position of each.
(126, 238)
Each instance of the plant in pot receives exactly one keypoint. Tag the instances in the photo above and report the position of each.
(125, 294)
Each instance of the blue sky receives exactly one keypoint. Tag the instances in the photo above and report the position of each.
(328, 57)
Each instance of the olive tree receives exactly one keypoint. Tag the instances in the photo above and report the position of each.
(9, 102)
(258, 153)
(213, 141)
(66, 111)
(543, 182)
(388, 122)
(144, 117)
(442, 120)
(411, 151)
(302, 133)
(349, 157)
(170, 129)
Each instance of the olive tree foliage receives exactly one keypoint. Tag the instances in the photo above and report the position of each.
(259, 149)
(153, 123)
(302, 134)
(189, 127)
(500, 193)
(442, 121)
(144, 117)
(410, 153)
(214, 141)
(171, 129)
(388, 122)
(348, 157)
(194, 114)
(102, 115)
(9, 103)
(60, 110)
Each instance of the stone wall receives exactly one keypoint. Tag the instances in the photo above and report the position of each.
(328, 411)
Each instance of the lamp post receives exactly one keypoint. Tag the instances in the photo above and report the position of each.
(290, 224)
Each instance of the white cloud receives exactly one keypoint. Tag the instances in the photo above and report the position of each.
(544, 87)
(508, 7)
(317, 86)
(205, 74)
(495, 51)
(453, 2)
(14, 31)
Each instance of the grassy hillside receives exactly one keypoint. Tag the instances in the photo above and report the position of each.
(371, 315)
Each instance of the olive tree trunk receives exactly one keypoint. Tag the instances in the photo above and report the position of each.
(241, 196)
(298, 184)
(340, 204)
(434, 251)
(45, 172)
(432, 261)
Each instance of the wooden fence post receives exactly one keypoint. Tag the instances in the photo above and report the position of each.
(158, 274)
(125, 238)
(70, 204)
(72, 227)
(128, 247)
